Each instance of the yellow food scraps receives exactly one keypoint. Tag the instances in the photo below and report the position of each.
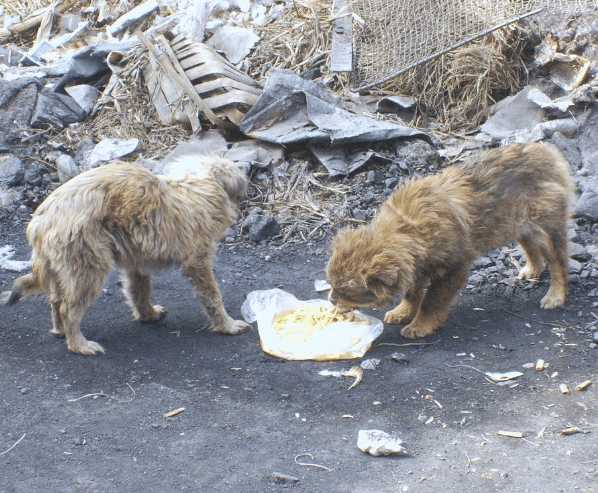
(307, 320)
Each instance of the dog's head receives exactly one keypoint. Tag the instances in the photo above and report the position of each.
(365, 271)
(231, 177)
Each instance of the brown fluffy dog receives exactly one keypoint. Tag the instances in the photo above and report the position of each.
(122, 214)
(427, 234)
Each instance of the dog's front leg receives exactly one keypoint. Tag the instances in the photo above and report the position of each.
(435, 306)
(202, 278)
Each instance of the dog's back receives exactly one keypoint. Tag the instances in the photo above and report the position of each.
(514, 186)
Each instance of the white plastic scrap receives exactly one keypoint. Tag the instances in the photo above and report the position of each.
(377, 443)
(321, 285)
(503, 377)
(7, 252)
(354, 372)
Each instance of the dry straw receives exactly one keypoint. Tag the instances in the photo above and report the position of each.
(459, 88)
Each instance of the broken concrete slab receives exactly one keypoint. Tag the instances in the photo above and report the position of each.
(12, 171)
(57, 110)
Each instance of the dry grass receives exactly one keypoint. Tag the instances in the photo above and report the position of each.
(125, 111)
(305, 207)
(458, 88)
(299, 40)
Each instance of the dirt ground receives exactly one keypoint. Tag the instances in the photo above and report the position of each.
(248, 415)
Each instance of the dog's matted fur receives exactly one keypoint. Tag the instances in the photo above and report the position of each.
(427, 234)
(121, 214)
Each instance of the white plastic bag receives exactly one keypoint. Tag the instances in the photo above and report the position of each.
(339, 340)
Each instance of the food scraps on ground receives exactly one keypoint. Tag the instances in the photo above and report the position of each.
(312, 317)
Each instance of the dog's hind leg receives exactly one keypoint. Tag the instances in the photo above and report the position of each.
(435, 306)
(555, 252)
(138, 289)
(79, 294)
(57, 326)
(202, 278)
(55, 300)
(534, 261)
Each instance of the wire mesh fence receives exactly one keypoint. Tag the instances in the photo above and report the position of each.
(396, 35)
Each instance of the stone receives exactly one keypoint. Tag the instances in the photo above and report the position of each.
(67, 168)
(592, 250)
(578, 252)
(109, 149)
(569, 148)
(399, 358)
(261, 226)
(12, 171)
(34, 174)
(372, 177)
(575, 267)
(57, 110)
(482, 262)
(361, 214)
(84, 95)
(588, 144)
(390, 183)
(587, 203)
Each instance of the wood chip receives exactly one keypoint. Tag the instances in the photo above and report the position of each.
(540, 365)
(564, 388)
(583, 385)
(511, 434)
(572, 430)
(174, 412)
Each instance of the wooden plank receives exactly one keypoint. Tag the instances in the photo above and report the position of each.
(341, 57)
(230, 98)
(169, 99)
(225, 83)
(196, 73)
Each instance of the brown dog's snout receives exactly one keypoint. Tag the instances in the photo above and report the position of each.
(331, 297)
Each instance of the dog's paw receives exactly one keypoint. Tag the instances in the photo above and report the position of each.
(232, 327)
(398, 315)
(86, 348)
(416, 330)
(158, 313)
(56, 333)
(552, 300)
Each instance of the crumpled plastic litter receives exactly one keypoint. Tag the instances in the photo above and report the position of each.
(338, 341)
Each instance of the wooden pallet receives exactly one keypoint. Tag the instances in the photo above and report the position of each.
(186, 78)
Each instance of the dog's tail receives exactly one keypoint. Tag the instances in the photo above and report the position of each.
(23, 286)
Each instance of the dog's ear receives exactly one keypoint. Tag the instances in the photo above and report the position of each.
(386, 275)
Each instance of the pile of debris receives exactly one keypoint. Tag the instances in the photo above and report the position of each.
(262, 82)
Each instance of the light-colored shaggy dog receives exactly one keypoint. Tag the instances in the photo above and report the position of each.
(426, 236)
(121, 214)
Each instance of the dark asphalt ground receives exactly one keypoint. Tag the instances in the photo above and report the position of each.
(248, 415)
